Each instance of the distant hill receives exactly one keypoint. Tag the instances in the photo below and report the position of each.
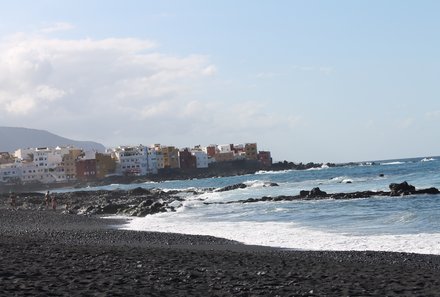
(12, 138)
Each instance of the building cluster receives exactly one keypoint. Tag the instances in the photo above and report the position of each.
(68, 164)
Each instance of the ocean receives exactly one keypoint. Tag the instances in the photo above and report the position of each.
(400, 224)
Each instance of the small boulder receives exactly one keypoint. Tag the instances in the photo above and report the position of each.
(233, 187)
(401, 189)
(316, 192)
(304, 193)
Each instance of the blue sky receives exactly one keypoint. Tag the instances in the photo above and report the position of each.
(309, 80)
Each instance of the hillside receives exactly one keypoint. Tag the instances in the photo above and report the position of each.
(12, 138)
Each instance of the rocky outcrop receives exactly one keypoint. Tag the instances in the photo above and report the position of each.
(317, 194)
(243, 186)
(233, 187)
(401, 189)
(136, 202)
(407, 189)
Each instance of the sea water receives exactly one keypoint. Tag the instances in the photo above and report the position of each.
(401, 224)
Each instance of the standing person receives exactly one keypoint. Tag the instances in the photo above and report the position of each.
(47, 199)
(13, 200)
(54, 202)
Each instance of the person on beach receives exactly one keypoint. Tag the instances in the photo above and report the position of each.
(47, 199)
(12, 198)
(54, 202)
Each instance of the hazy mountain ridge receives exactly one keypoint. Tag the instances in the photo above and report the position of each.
(12, 138)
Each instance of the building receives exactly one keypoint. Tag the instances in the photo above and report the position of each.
(43, 164)
(10, 172)
(210, 150)
(6, 158)
(251, 151)
(224, 148)
(152, 161)
(69, 163)
(105, 165)
(130, 160)
(135, 160)
(170, 156)
(86, 169)
(265, 158)
(223, 157)
(187, 159)
(202, 160)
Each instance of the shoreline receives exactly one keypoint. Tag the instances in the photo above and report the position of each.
(47, 252)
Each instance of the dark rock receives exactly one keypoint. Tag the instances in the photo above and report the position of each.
(401, 189)
(146, 203)
(233, 187)
(304, 193)
(316, 192)
(110, 209)
(139, 191)
(431, 191)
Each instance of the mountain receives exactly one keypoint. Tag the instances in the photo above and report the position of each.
(13, 138)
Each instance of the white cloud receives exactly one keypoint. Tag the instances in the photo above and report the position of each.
(120, 89)
(48, 93)
(209, 70)
(320, 69)
(118, 74)
(267, 74)
(433, 114)
(405, 123)
(56, 27)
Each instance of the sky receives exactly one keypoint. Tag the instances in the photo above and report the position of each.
(311, 81)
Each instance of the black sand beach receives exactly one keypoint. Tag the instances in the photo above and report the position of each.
(47, 253)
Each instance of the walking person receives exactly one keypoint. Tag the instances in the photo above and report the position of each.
(54, 202)
(13, 202)
(47, 199)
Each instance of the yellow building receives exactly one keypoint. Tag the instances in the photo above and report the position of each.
(167, 156)
(251, 151)
(105, 165)
(170, 157)
(68, 164)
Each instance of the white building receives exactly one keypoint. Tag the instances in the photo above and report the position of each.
(160, 160)
(201, 158)
(152, 161)
(31, 172)
(10, 172)
(42, 164)
(135, 160)
(224, 148)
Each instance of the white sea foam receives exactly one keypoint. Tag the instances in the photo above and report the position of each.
(342, 179)
(289, 235)
(393, 163)
(427, 160)
(257, 183)
(323, 166)
(272, 172)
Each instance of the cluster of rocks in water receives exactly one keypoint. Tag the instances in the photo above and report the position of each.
(396, 189)
(141, 202)
(243, 186)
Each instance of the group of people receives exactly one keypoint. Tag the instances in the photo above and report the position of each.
(49, 199)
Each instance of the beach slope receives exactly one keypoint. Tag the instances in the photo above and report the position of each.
(49, 253)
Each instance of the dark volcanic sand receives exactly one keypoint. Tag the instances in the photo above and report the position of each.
(46, 253)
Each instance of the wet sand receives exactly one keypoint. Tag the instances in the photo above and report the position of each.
(47, 253)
